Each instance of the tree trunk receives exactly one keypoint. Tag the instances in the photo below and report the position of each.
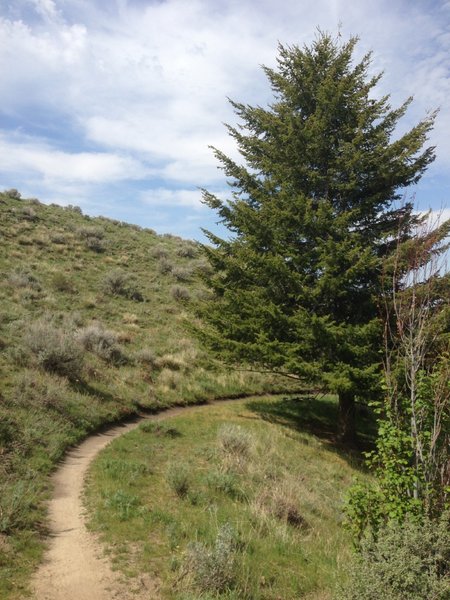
(346, 419)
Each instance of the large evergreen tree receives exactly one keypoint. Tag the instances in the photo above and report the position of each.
(313, 213)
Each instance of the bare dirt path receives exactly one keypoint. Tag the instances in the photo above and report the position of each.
(73, 567)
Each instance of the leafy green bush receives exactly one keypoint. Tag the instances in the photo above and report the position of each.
(54, 349)
(408, 561)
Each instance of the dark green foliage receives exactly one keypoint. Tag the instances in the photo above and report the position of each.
(312, 216)
(405, 561)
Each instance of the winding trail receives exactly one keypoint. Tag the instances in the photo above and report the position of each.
(73, 566)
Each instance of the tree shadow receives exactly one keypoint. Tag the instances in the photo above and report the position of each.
(318, 415)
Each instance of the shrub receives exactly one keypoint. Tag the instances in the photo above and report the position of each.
(24, 279)
(29, 214)
(86, 232)
(53, 349)
(177, 477)
(13, 193)
(409, 560)
(165, 266)
(187, 250)
(58, 237)
(121, 283)
(213, 569)
(96, 244)
(102, 342)
(182, 274)
(159, 251)
(180, 294)
(62, 283)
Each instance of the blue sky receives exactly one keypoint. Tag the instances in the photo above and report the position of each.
(111, 104)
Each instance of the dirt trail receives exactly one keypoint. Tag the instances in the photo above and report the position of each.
(73, 567)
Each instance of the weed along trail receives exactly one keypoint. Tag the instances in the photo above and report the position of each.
(73, 567)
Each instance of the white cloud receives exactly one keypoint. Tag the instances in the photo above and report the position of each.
(165, 197)
(54, 165)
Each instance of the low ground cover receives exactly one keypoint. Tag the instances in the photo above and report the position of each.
(237, 500)
(92, 329)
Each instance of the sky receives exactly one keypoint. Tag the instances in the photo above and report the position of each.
(112, 105)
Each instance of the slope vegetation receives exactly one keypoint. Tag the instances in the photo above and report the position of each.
(92, 329)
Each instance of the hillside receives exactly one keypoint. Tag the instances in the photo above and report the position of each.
(92, 329)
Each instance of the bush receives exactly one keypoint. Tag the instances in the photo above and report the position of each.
(177, 477)
(29, 214)
(405, 561)
(180, 294)
(85, 232)
(24, 279)
(102, 342)
(96, 244)
(182, 274)
(121, 283)
(213, 569)
(62, 283)
(159, 251)
(13, 193)
(187, 250)
(58, 237)
(53, 349)
(165, 266)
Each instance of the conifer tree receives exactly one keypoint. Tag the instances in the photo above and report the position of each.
(313, 212)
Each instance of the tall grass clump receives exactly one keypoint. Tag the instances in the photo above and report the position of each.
(177, 477)
(235, 443)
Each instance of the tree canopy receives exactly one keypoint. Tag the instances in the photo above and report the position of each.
(314, 210)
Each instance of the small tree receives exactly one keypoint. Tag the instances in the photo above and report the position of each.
(311, 218)
(412, 457)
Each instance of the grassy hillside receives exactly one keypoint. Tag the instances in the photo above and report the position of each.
(239, 501)
(92, 319)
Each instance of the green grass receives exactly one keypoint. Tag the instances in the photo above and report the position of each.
(92, 329)
(240, 500)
